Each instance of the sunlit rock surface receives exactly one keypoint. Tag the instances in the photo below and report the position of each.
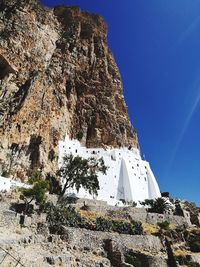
(57, 76)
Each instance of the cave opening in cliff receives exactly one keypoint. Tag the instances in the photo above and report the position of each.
(5, 68)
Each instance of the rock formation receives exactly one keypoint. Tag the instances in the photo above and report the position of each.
(57, 76)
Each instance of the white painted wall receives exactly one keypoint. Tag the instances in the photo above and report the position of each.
(4, 184)
(7, 184)
(128, 177)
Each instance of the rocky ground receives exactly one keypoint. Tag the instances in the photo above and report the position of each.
(35, 245)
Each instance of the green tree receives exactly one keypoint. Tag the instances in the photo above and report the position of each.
(79, 172)
(38, 190)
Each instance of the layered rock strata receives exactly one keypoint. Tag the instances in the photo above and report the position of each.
(57, 76)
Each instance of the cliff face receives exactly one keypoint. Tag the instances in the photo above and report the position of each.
(57, 76)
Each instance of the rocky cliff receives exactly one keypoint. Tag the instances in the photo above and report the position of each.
(57, 76)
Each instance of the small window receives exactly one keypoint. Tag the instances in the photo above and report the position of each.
(76, 150)
(138, 165)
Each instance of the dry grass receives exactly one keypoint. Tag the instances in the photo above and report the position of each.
(195, 230)
(89, 215)
(150, 229)
(92, 216)
(172, 226)
(180, 253)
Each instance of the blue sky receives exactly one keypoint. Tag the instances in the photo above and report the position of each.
(156, 44)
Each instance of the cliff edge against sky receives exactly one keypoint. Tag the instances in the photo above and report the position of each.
(57, 76)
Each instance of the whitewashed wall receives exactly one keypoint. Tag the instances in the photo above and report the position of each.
(128, 177)
(7, 184)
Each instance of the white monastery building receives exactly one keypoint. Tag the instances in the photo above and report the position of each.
(128, 178)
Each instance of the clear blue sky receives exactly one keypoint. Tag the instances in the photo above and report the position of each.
(156, 44)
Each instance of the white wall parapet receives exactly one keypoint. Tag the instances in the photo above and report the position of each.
(7, 184)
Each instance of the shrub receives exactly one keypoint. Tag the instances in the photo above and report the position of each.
(79, 135)
(193, 264)
(133, 260)
(58, 216)
(36, 176)
(68, 216)
(164, 225)
(120, 226)
(195, 246)
(159, 205)
(66, 200)
(125, 227)
(5, 174)
(103, 224)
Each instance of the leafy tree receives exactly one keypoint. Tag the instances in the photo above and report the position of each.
(79, 172)
(158, 205)
(38, 190)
